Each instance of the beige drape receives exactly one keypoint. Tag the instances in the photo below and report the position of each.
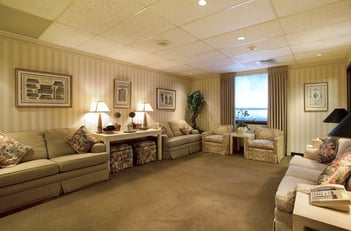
(227, 98)
(277, 99)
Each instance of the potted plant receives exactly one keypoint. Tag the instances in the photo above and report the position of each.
(117, 125)
(195, 102)
(241, 124)
(132, 115)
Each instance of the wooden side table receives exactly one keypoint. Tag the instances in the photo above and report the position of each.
(309, 217)
(235, 135)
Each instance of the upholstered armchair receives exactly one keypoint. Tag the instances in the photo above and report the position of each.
(266, 145)
(218, 140)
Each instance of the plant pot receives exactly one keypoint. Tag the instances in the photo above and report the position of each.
(117, 127)
(241, 130)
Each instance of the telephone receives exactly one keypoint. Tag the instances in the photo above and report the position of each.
(332, 196)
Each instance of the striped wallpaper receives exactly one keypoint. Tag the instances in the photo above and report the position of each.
(93, 76)
(92, 79)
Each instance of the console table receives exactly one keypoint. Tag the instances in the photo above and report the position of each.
(310, 217)
(119, 136)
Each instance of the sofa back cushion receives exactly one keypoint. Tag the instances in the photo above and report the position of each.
(55, 141)
(33, 138)
(267, 133)
(223, 129)
(166, 129)
(177, 126)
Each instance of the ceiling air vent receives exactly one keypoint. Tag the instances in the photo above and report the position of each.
(266, 62)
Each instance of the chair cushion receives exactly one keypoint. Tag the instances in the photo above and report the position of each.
(214, 139)
(220, 130)
(11, 151)
(263, 144)
(267, 133)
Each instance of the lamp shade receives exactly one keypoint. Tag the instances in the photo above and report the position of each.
(343, 129)
(144, 107)
(99, 106)
(336, 116)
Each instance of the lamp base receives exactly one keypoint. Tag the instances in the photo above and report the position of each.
(99, 125)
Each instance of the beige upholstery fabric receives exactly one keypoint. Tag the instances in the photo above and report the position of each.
(266, 145)
(77, 161)
(218, 140)
(177, 125)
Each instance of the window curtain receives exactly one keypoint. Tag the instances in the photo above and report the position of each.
(277, 99)
(227, 98)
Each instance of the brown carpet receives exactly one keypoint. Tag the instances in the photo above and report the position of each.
(198, 192)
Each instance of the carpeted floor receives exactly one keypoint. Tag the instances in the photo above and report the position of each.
(198, 192)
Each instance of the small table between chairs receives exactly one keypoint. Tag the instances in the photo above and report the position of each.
(236, 135)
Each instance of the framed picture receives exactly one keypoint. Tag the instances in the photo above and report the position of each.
(42, 89)
(121, 94)
(166, 99)
(316, 97)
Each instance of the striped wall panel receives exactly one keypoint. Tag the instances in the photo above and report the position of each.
(92, 79)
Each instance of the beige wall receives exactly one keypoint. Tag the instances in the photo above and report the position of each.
(92, 79)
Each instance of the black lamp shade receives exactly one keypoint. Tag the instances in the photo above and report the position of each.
(336, 116)
(343, 129)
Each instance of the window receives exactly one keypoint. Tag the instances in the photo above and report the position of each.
(251, 95)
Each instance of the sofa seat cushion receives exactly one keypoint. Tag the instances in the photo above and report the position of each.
(307, 163)
(286, 192)
(262, 144)
(27, 171)
(177, 140)
(304, 173)
(77, 161)
(193, 137)
(215, 139)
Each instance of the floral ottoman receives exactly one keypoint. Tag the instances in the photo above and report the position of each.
(121, 157)
(144, 151)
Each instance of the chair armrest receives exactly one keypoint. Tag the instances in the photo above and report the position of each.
(98, 147)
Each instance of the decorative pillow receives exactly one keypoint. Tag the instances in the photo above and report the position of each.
(328, 150)
(185, 131)
(344, 145)
(81, 141)
(195, 131)
(348, 184)
(11, 151)
(338, 171)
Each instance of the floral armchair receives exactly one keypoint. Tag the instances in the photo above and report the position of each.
(218, 140)
(266, 145)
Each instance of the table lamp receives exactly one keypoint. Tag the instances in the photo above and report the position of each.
(99, 106)
(343, 129)
(144, 107)
(336, 116)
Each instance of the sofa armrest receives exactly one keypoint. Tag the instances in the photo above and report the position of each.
(98, 147)
(311, 153)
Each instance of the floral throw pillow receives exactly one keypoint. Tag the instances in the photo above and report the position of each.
(327, 150)
(11, 151)
(338, 171)
(82, 140)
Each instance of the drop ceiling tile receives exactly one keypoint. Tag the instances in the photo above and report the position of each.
(201, 58)
(232, 19)
(262, 55)
(252, 34)
(147, 60)
(138, 28)
(328, 55)
(319, 17)
(186, 50)
(126, 53)
(146, 3)
(176, 37)
(321, 45)
(180, 12)
(323, 33)
(45, 9)
(96, 16)
(57, 34)
(100, 46)
(288, 7)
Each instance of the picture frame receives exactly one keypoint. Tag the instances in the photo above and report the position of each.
(121, 94)
(316, 97)
(42, 89)
(165, 99)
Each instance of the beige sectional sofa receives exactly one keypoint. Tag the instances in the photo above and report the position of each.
(306, 172)
(179, 139)
(51, 169)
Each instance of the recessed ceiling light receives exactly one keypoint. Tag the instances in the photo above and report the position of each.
(241, 38)
(202, 2)
(319, 54)
(162, 42)
(251, 48)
